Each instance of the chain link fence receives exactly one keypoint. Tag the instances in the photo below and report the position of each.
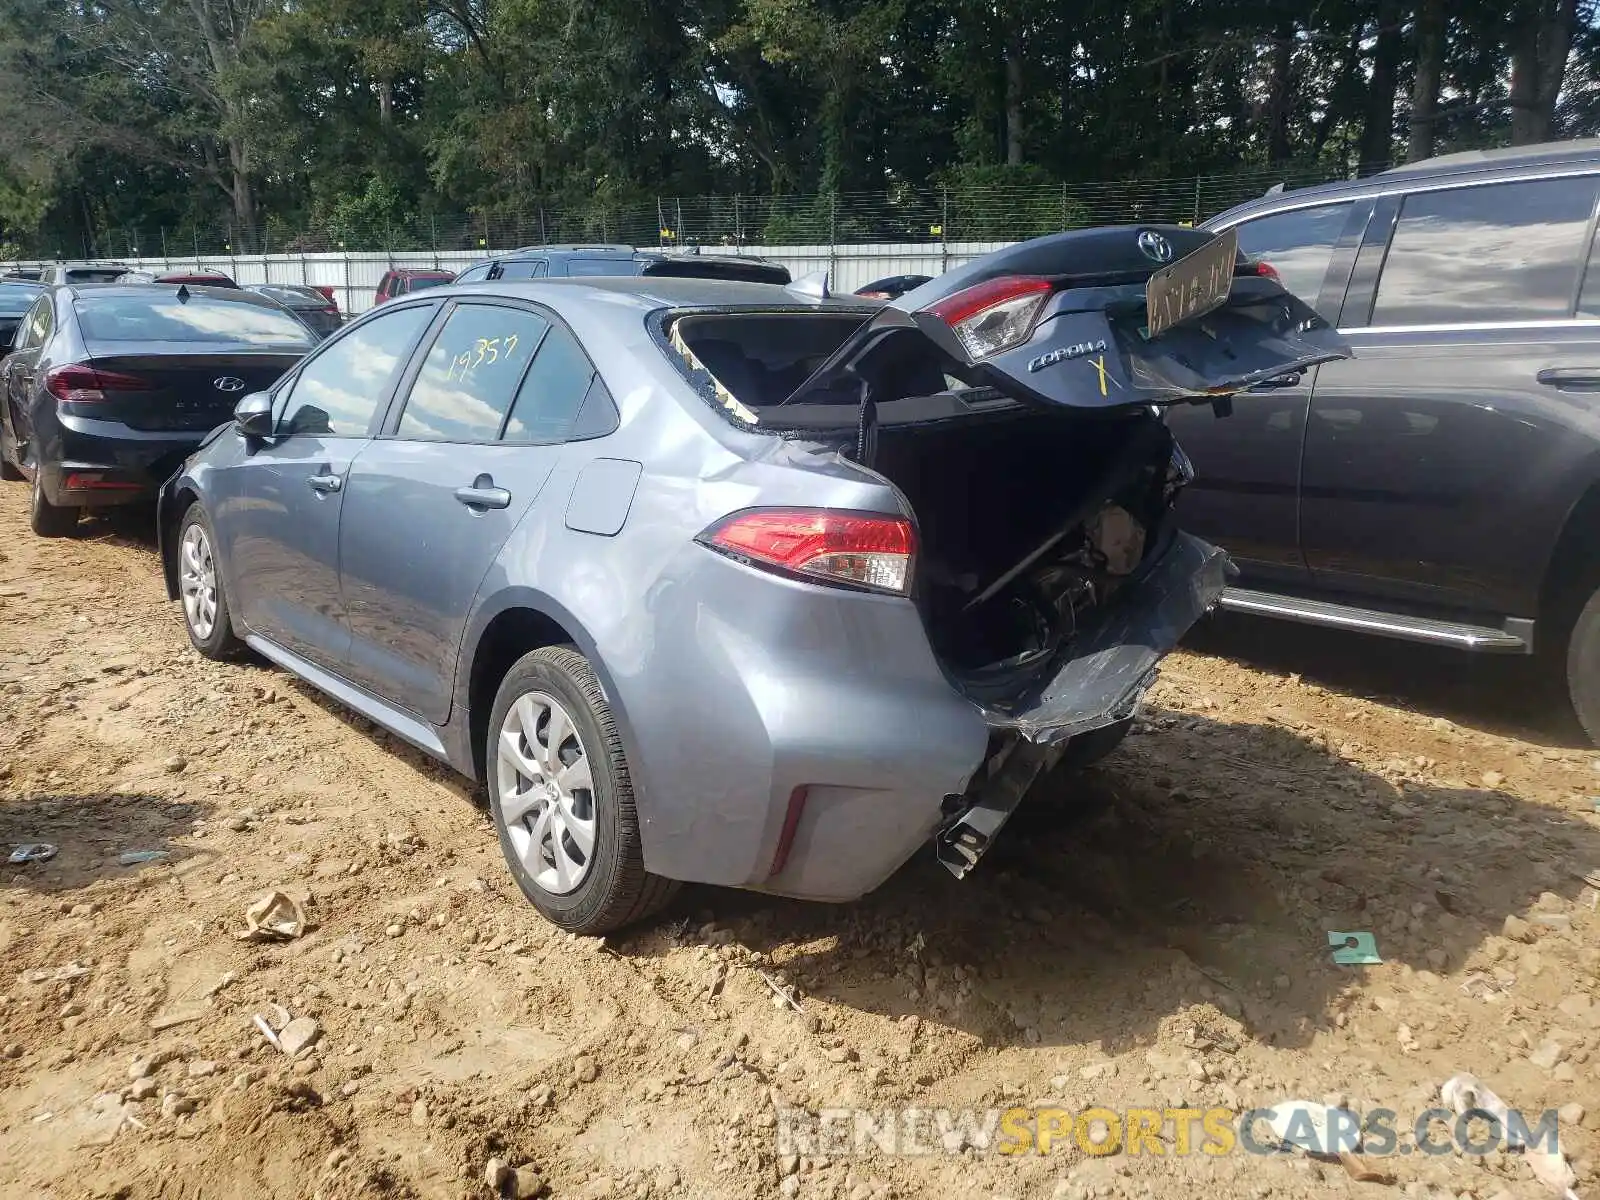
(926, 215)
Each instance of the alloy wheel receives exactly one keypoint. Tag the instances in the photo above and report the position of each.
(546, 793)
(197, 580)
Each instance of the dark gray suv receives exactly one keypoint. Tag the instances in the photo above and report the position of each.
(1443, 484)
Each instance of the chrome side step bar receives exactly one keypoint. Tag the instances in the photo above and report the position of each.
(1514, 637)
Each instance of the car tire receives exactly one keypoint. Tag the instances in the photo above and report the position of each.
(1583, 667)
(206, 615)
(46, 519)
(574, 850)
(1089, 748)
(9, 471)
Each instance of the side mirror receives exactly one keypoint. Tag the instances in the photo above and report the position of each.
(252, 416)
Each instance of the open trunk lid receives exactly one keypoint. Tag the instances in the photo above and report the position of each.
(1076, 321)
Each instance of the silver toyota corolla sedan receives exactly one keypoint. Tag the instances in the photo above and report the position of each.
(727, 582)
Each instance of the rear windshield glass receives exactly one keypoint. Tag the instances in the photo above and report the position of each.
(13, 294)
(418, 282)
(94, 274)
(602, 266)
(289, 295)
(164, 318)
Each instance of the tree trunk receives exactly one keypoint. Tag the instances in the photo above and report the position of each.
(1013, 52)
(385, 101)
(1280, 93)
(1541, 39)
(1377, 131)
(243, 194)
(1425, 91)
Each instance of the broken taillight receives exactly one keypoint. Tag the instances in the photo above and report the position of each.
(826, 546)
(1261, 270)
(994, 316)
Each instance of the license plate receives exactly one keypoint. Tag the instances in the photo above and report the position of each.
(1196, 284)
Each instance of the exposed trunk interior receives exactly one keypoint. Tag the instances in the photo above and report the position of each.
(1029, 522)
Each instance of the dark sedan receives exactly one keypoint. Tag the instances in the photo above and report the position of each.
(308, 303)
(110, 387)
(16, 298)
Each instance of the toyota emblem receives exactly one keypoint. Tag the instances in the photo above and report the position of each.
(1155, 247)
(232, 383)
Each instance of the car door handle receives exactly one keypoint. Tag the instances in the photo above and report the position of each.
(324, 483)
(1579, 379)
(484, 497)
(1278, 381)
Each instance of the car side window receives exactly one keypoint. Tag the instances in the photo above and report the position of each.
(1497, 252)
(548, 402)
(471, 373)
(526, 268)
(337, 391)
(1298, 245)
(35, 326)
(475, 274)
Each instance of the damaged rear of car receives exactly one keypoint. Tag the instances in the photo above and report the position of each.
(1014, 408)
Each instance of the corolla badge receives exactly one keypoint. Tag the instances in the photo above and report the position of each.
(1062, 353)
(228, 383)
(1155, 247)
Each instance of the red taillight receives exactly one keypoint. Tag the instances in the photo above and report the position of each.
(994, 316)
(326, 289)
(855, 549)
(86, 384)
(1261, 270)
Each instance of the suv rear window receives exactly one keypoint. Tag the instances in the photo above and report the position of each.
(158, 317)
(1496, 252)
(602, 266)
(1298, 245)
(93, 274)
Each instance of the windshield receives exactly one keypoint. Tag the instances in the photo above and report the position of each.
(164, 318)
(95, 274)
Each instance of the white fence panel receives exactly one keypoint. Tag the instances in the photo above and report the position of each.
(354, 276)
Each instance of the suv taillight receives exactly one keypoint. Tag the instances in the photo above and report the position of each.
(824, 545)
(994, 316)
(81, 384)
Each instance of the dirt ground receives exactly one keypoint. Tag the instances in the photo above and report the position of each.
(1171, 950)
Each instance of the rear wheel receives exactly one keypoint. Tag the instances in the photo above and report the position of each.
(1583, 667)
(46, 519)
(205, 603)
(561, 798)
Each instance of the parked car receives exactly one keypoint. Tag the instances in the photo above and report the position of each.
(192, 278)
(16, 298)
(572, 262)
(402, 281)
(1443, 485)
(110, 387)
(310, 304)
(893, 286)
(27, 274)
(82, 272)
(632, 551)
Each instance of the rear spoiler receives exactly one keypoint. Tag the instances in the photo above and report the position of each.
(698, 266)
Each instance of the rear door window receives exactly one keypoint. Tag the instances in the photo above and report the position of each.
(336, 392)
(525, 268)
(1492, 253)
(550, 397)
(466, 384)
(1298, 245)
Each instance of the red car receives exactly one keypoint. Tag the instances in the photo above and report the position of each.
(192, 278)
(402, 281)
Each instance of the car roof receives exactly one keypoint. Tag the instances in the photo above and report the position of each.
(650, 291)
(1466, 163)
(420, 271)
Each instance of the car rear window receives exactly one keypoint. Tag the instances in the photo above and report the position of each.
(417, 282)
(12, 294)
(158, 317)
(1298, 245)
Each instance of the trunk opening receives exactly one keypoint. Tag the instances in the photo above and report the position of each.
(1031, 523)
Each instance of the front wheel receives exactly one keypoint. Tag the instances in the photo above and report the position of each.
(561, 798)
(1583, 667)
(205, 601)
(46, 519)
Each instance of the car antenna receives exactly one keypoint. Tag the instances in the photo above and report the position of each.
(183, 293)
